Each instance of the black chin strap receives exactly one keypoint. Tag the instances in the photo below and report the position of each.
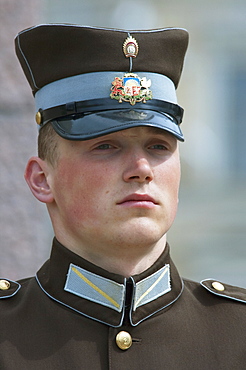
(104, 104)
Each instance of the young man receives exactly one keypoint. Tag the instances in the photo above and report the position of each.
(108, 170)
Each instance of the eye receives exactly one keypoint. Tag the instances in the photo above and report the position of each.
(104, 146)
(158, 147)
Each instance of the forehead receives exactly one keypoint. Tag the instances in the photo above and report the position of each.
(138, 135)
(144, 131)
(149, 130)
(137, 132)
(134, 132)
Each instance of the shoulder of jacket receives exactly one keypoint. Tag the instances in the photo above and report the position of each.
(8, 288)
(224, 290)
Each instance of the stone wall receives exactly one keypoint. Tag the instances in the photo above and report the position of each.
(24, 229)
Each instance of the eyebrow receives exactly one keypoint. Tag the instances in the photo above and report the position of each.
(157, 130)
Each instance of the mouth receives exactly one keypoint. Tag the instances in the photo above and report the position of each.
(138, 200)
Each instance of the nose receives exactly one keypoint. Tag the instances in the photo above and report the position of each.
(138, 170)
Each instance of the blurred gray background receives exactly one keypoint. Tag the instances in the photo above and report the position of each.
(209, 236)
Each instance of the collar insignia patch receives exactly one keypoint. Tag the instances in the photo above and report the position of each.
(131, 88)
(109, 293)
(95, 288)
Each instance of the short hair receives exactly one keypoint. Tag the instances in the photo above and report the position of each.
(48, 144)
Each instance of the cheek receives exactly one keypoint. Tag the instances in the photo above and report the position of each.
(174, 189)
(171, 176)
(79, 189)
(170, 180)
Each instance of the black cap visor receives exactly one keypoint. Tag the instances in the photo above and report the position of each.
(87, 126)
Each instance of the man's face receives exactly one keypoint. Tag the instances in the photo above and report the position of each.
(116, 191)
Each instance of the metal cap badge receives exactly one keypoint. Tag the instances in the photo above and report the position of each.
(130, 47)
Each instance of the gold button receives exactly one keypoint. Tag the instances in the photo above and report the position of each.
(123, 340)
(38, 118)
(4, 285)
(218, 286)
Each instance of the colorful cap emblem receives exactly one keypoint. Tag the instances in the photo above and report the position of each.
(131, 88)
(130, 47)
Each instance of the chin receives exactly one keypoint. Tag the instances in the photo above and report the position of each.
(143, 234)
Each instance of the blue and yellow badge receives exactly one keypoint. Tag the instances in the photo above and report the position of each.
(131, 88)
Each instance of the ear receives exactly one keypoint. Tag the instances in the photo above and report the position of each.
(36, 175)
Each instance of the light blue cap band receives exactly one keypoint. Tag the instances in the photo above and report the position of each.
(96, 85)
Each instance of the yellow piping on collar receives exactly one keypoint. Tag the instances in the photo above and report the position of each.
(93, 286)
(151, 287)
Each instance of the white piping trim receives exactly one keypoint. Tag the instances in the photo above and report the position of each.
(103, 28)
(81, 313)
(14, 293)
(220, 294)
(28, 65)
(162, 308)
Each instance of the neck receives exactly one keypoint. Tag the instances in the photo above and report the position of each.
(125, 261)
(128, 264)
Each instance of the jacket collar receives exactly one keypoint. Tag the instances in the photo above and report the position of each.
(106, 297)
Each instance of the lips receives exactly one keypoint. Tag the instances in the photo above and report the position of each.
(138, 200)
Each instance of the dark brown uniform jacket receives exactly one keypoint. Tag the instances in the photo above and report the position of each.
(49, 322)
